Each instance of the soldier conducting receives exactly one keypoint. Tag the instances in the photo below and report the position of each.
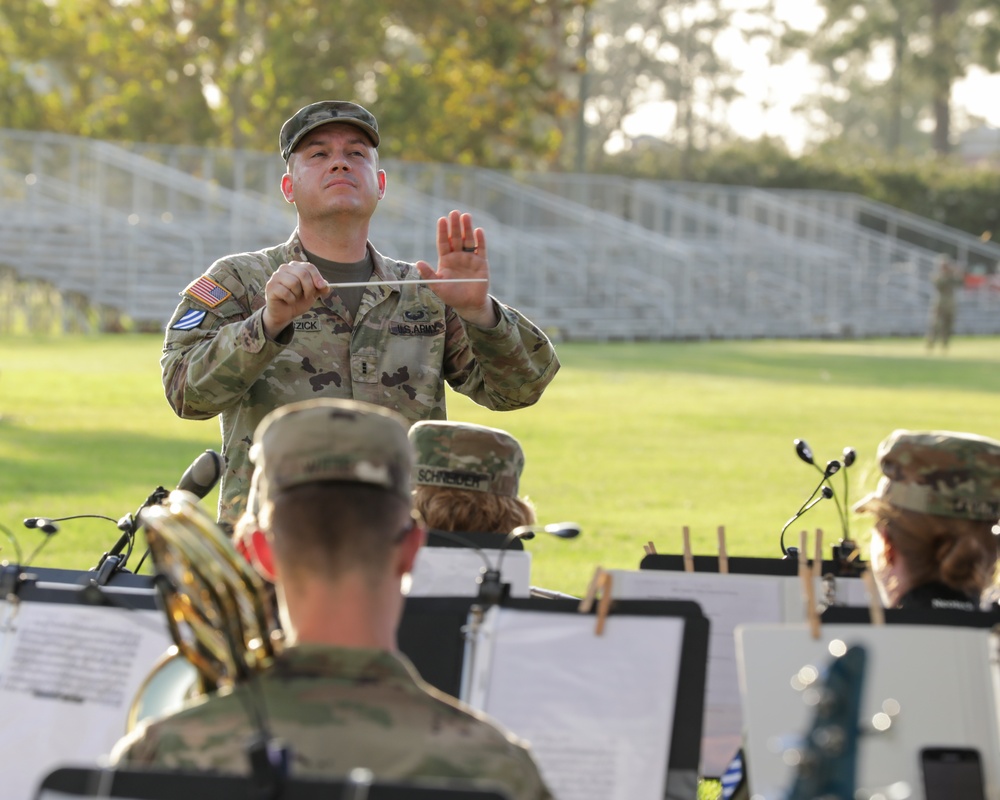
(263, 329)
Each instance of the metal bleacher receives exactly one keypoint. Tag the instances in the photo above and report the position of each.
(588, 257)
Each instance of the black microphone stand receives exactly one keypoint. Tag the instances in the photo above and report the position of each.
(113, 561)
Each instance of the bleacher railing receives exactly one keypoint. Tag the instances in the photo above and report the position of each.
(586, 256)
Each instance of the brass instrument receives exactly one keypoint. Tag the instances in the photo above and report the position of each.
(218, 610)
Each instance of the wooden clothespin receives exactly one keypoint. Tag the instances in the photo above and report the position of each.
(818, 557)
(808, 589)
(688, 557)
(649, 548)
(604, 605)
(723, 555)
(600, 584)
(875, 610)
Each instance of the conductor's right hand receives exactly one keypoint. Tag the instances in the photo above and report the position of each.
(289, 293)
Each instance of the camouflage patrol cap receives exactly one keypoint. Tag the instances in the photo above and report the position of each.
(466, 456)
(323, 113)
(939, 472)
(331, 440)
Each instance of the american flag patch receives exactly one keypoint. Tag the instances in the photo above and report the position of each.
(189, 321)
(208, 291)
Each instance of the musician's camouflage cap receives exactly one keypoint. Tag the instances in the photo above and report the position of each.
(939, 472)
(323, 113)
(461, 455)
(331, 440)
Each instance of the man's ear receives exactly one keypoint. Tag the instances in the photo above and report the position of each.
(888, 550)
(409, 546)
(255, 547)
(286, 188)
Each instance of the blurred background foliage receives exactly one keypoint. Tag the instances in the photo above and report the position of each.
(529, 84)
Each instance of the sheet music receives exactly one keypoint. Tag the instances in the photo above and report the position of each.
(727, 601)
(453, 571)
(944, 680)
(598, 711)
(68, 674)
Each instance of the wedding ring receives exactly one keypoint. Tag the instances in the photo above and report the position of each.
(468, 249)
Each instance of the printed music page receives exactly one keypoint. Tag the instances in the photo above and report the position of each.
(598, 711)
(727, 601)
(454, 571)
(68, 674)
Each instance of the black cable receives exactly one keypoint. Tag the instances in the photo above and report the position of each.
(13, 541)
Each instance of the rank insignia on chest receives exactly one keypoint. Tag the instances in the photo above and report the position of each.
(207, 291)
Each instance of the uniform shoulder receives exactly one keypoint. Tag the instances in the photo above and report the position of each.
(488, 726)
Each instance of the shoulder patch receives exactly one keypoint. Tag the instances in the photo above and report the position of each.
(207, 291)
(191, 320)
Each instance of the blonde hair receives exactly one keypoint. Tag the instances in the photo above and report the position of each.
(960, 553)
(445, 508)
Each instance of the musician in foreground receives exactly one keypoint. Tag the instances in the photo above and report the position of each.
(935, 514)
(333, 485)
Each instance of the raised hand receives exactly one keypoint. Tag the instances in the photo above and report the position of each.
(462, 254)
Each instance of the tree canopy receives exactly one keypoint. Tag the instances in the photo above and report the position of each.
(464, 81)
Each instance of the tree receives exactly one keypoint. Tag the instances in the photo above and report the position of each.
(477, 81)
(671, 52)
(928, 45)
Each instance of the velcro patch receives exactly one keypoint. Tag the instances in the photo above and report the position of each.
(207, 291)
(191, 320)
(417, 328)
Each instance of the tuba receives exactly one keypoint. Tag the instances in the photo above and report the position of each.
(218, 609)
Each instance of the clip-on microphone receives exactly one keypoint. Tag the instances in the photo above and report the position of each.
(491, 587)
(804, 452)
(199, 479)
(845, 550)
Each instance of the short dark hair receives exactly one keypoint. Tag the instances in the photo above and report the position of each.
(331, 527)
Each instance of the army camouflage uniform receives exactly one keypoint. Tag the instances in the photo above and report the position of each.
(944, 474)
(461, 455)
(946, 279)
(939, 472)
(338, 709)
(399, 350)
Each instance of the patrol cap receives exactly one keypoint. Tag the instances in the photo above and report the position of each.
(462, 455)
(322, 113)
(330, 440)
(939, 472)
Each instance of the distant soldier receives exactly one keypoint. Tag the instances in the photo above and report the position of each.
(340, 695)
(946, 278)
(467, 478)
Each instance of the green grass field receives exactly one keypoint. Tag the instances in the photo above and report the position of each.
(632, 441)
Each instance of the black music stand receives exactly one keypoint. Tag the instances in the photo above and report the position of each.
(742, 565)
(477, 540)
(124, 590)
(71, 782)
(683, 761)
(855, 615)
(431, 635)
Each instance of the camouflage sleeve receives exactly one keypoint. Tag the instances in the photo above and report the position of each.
(502, 368)
(206, 367)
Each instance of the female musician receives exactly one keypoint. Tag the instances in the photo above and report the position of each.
(935, 519)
